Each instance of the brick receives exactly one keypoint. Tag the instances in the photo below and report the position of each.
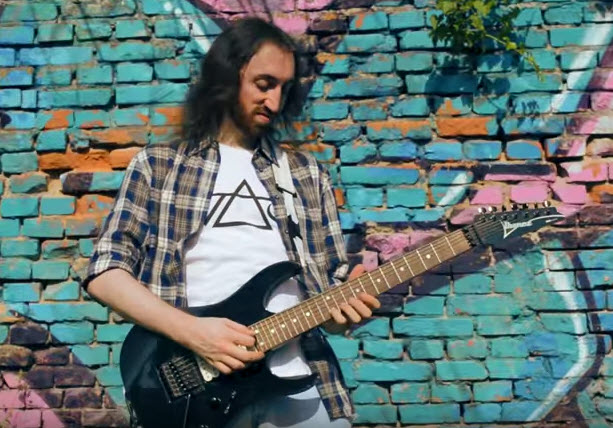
(134, 72)
(378, 371)
(15, 269)
(565, 14)
(481, 413)
(29, 99)
(172, 28)
(376, 63)
(414, 61)
(363, 43)
(102, 74)
(365, 87)
(434, 327)
(464, 349)
(82, 97)
(93, 30)
(20, 120)
(91, 355)
(28, 183)
(369, 413)
(329, 110)
(410, 392)
(414, 106)
(130, 116)
(444, 393)
(172, 70)
(375, 327)
(9, 228)
(426, 349)
(532, 104)
(529, 192)
(16, 35)
(344, 348)
(578, 60)
(113, 332)
(10, 98)
(436, 83)
(126, 29)
(529, 16)
(7, 57)
(474, 126)
(136, 51)
(15, 141)
(378, 175)
(42, 228)
(370, 393)
(509, 347)
(406, 197)
(443, 151)
(472, 284)
(429, 413)
(460, 370)
(368, 110)
(399, 129)
(57, 205)
(585, 172)
(19, 248)
(494, 63)
(502, 326)
(19, 206)
(406, 19)
(493, 391)
(577, 36)
(516, 411)
(16, 76)
(55, 33)
(383, 349)
(533, 125)
(86, 247)
(50, 270)
(68, 290)
(55, 56)
(513, 368)
(149, 94)
(391, 215)
(333, 64)
(55, 119)
(491, 104)
(15, 163)
(369, 21)
(74, 332)
(109, 376)
(21, 292)
(565, 147)
(364, 197)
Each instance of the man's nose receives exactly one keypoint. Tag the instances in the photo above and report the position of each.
(273, 101)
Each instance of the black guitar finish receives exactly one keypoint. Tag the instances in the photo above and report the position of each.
(165, 389)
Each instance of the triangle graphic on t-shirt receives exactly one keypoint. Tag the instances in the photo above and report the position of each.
(229, 211)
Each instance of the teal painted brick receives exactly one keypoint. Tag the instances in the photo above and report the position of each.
(57, 205)
(329, 110)
(136, 51)
(517, 411)
(55, 56)
(153, 7)
(21, 292)
(50, 270)
(533, 125)
(42, 228)
(9, 228)
(362, 43)
(482, 150)
(92, 119)
(55, 32)
(367, 393)
(441, 83)
(171, 28)
(134, 73)
(364, 197)
(414, 61)
(514, 368)
(380, 371)
(532, 104)
(460, 370)
(410, 392)
(93, 30)
(76, 332)
(149, 94)
(19, 206)
(29, 11)
(443, 151)
(418, 130)
(15, 268)
(43, 118)
(530, 82)
(473, 284)
(493, 391)
(524, 150)
(54, 140)
(493, 304)
(172, 70)
(7, 57)
(370, 413)
(16, 35)
(414, 106)
(16, 142)
(446, 195)
(580, 36)
(391, 215)
(469, 348)
(578, 60)
(102, 74)
(91, 355)
(429, 413)
(398, 151)
(60, 249)
(4, 332)
(503, 325)
(20, 120)
(126, 29)
(81, 227)
(426, 349)
(20, 248)
(109, 376)
(416, 40)
(482, 413)
(338, 64)
(424, 305)
(82, 97)
(565, 323)
(29, 99)
(17, 76)
(130, 116)
(380, 175)
(446, 393)
(365, 87)
(86, 247)
(106, 180)
(528, 16)
(454, 106)
(407, 19)
(52, 312)
(406, 197)
(347, 372)
(10, 98)
(96, 9)
(68, 290)
(534, 39)
(28, 183)
(565, 14)
(377, 327)
(434, 327)
(368, 111)
(112, 332)
(117, 395)
(491, 104)
(344, 348)
(545, 59)
(369, 21)
(376, 63)
(383, 349)
(493, 63)
(17, 163)
(355, 153)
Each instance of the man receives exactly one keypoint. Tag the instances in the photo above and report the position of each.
(194, 220)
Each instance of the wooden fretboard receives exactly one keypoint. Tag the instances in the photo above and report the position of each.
(281, 327)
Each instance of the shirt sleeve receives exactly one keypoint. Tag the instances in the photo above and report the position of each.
(124, 231)
(335, 243)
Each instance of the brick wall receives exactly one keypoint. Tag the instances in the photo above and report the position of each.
(416, 139)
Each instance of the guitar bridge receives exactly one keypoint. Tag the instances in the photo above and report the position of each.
(181, 376)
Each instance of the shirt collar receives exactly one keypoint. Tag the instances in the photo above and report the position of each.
(266, 147)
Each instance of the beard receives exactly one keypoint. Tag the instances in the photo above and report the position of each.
(246, 123)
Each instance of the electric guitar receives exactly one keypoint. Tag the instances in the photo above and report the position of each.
(169, 386)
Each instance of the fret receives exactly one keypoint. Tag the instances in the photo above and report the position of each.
(373, 283)
(450, 246)
(434, 250)
(360, 289)
(325, 298)
(282, 325)
(307, 314)
(323, 318)
(422, 260)
(274, 330)
(385, 278)
(394, 267)
(296, 318)
(262, 329)
(290, 324)
(352, 292)
(406, 261)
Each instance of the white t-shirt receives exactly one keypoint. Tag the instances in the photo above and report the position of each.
(241, 237)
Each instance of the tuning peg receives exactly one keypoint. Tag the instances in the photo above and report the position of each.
(546, 204)
(481, 210)
(503, 208)
(515, 207)
(525, 207)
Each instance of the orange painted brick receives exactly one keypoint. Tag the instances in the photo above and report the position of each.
(466, 126)
(120, 158)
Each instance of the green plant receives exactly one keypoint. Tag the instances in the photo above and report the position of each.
(465, 25)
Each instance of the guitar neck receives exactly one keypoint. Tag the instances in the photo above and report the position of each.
(281, 327)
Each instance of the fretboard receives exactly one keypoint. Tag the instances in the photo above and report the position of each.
(281, 327)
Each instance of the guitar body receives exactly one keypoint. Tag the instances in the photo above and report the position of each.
(159, 394)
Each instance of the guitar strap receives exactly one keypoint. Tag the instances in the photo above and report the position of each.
(285, 184)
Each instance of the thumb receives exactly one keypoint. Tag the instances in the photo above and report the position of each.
(357, 270)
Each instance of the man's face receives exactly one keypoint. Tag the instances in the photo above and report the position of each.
(264, 83)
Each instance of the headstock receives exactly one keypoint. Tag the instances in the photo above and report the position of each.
(491, 227)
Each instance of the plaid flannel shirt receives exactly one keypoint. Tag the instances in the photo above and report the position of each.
(163, 201)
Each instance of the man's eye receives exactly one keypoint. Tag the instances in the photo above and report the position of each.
(263, 85)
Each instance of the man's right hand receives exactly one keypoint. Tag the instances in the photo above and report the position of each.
(221, 342)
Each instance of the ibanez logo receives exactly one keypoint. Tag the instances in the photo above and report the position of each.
(508, 227)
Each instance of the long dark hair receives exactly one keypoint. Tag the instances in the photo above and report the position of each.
(216, 90)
